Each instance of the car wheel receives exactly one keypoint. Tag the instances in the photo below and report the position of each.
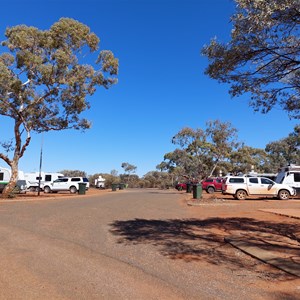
(47, 189)
(240, 195)
(73, 189)
(283, 195)
(210, 190)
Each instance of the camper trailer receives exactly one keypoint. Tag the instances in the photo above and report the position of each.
(290, 175)
(5, 175)
(35, 178)
(100, 182)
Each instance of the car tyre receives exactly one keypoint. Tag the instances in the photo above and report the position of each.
(47, 189)
(210, 190)
(240, 195)
(283, 195)
(73, 189)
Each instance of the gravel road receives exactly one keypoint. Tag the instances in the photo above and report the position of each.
(135, 244)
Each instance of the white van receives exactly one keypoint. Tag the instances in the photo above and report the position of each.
(290, 175)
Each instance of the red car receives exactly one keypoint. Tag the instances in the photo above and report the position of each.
(212, 184)
(180, 186)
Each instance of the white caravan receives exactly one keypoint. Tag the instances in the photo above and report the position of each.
(5, 175)
(100, 182)
(33, 179)
(290, 175)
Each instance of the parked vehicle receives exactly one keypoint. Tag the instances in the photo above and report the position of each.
(100, 182)
(21, 186)
(241, 187)
(290, 175)
(5, 175)
(211, 184)
(180, 186)
(66, 184)
(44, 178)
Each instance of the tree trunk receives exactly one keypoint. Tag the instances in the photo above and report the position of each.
(13, 179)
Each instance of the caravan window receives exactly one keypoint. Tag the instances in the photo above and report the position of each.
(1, 176)
(48, 177)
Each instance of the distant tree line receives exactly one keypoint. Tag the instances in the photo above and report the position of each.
(212, 151)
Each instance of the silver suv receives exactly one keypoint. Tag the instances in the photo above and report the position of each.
(66, 184)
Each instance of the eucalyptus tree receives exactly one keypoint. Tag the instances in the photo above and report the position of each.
(45, 80)
(285, 151)
(263, 56)
(223, 140)
(201, 150)
(129, 169)
(245, 157)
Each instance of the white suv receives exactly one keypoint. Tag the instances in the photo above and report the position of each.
(241, 187)
(66, 184)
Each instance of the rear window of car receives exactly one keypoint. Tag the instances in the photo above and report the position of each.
(75, 179)
(236, 180)
(209, 180)
(85, 180)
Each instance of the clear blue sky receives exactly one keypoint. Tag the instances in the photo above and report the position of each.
(162, 87)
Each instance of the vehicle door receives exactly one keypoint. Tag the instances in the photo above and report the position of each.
(218, 184)
(254, 187)
(60, 184)
(267, 186)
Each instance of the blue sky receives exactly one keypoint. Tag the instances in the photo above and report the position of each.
(162, 87)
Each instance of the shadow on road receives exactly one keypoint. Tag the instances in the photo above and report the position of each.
(203, 240)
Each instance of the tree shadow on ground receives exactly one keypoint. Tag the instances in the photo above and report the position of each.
(203, 240)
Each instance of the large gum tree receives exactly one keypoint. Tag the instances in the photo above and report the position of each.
(262, 58)
(45, 80)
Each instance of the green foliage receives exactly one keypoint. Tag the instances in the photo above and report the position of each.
(73, 173)
(128, 168)
(207, 152)
(244, 158)
(285, 151)
(155, 179)
(263, 56)
(200, 151)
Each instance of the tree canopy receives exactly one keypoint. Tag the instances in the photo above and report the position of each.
(201, 150)
(46, 78)
(216, 149)
(263, 56)
(286, 150)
